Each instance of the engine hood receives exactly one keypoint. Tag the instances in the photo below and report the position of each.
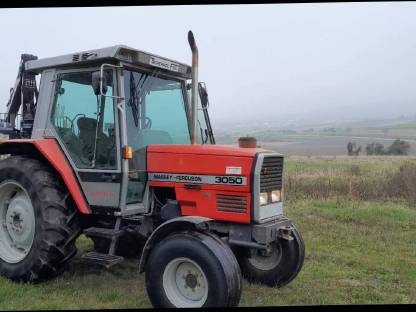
(207, 149)
(206, 176)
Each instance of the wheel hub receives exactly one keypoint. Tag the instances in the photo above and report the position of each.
(185, 283)
(191, 281)
(268, 259)
(18, 222)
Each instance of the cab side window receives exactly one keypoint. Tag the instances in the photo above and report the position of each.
(84, 121)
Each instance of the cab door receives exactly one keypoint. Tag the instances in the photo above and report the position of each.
(155, 112)
(87, 129)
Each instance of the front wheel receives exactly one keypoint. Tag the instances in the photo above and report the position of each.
(277, 267)
(193, 270)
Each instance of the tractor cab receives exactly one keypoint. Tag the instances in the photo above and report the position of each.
(107, 106)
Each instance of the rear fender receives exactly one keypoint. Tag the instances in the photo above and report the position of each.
(168, 227)
(49, 151)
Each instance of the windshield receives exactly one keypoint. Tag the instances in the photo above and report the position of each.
(155, 110)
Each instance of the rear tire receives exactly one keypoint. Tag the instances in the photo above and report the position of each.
(55, 221)
(191, 269)
(280, 267)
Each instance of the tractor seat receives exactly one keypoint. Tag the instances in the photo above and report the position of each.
(87, 127)
(105, 146)
(86, 124)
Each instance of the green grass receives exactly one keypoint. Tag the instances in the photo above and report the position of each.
(357, 252)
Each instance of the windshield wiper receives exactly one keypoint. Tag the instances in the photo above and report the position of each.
(137, 90)
(204, 138)
(133, 101)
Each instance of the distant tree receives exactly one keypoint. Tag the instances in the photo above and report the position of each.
(379, 149)
(399, 147)
(352, 149)
(370, 149)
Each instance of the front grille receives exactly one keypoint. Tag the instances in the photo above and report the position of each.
(231, 203)
(271, 173)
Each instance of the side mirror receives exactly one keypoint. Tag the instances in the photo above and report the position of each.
(99, 83)
(203, 94)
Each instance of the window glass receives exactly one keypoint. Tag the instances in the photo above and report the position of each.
(84, 121)
(155, 114)
(155, 111)
(202, 126)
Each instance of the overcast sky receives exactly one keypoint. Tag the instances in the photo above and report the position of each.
(271, 61)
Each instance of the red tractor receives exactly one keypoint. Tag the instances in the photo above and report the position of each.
(117, 144)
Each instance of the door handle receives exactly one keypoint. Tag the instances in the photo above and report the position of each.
(108, 177)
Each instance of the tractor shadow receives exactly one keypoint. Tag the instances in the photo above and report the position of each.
(81, 267)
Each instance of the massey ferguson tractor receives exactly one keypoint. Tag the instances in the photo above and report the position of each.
(116, 144)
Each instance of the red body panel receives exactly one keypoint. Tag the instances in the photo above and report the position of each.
(204, 160)
(206, 149)
(51, 151)
(182, 159)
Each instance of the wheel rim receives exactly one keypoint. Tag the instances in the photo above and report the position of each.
(268, 260)
(185, 283)
(17, 222)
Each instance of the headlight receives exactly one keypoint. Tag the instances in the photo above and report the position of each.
(263, 199)
(276, 196)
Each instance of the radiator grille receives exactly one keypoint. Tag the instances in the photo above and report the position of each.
(231, 203)
(271, 173)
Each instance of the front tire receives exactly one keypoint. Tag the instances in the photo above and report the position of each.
(277, 268)
(40, 221)
(193, 270)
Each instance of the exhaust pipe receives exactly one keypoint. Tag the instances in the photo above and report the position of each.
(194, 96)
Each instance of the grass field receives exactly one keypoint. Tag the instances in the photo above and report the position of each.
(330, 141)
(357, 251)
(316, 145)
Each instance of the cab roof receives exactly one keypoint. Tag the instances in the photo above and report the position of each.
(114, 53)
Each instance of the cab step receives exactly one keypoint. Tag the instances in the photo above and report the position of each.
(103, 232)
(102, 258)
(133, 218)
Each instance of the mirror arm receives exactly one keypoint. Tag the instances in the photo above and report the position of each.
(101, 80)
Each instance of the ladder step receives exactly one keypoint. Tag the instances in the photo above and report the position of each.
(103, 232)
(133, 218)
(102, 258)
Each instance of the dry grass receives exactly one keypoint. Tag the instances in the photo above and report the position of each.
(359, 178)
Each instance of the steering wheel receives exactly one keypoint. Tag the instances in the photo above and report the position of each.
(73, 120)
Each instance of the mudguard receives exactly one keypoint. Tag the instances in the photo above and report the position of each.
(51, 152)
(179, 223)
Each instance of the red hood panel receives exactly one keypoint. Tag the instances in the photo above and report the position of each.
(206, 149)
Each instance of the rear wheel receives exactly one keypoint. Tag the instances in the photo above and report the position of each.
(279, 265)
(38, 221)
(193, 270)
